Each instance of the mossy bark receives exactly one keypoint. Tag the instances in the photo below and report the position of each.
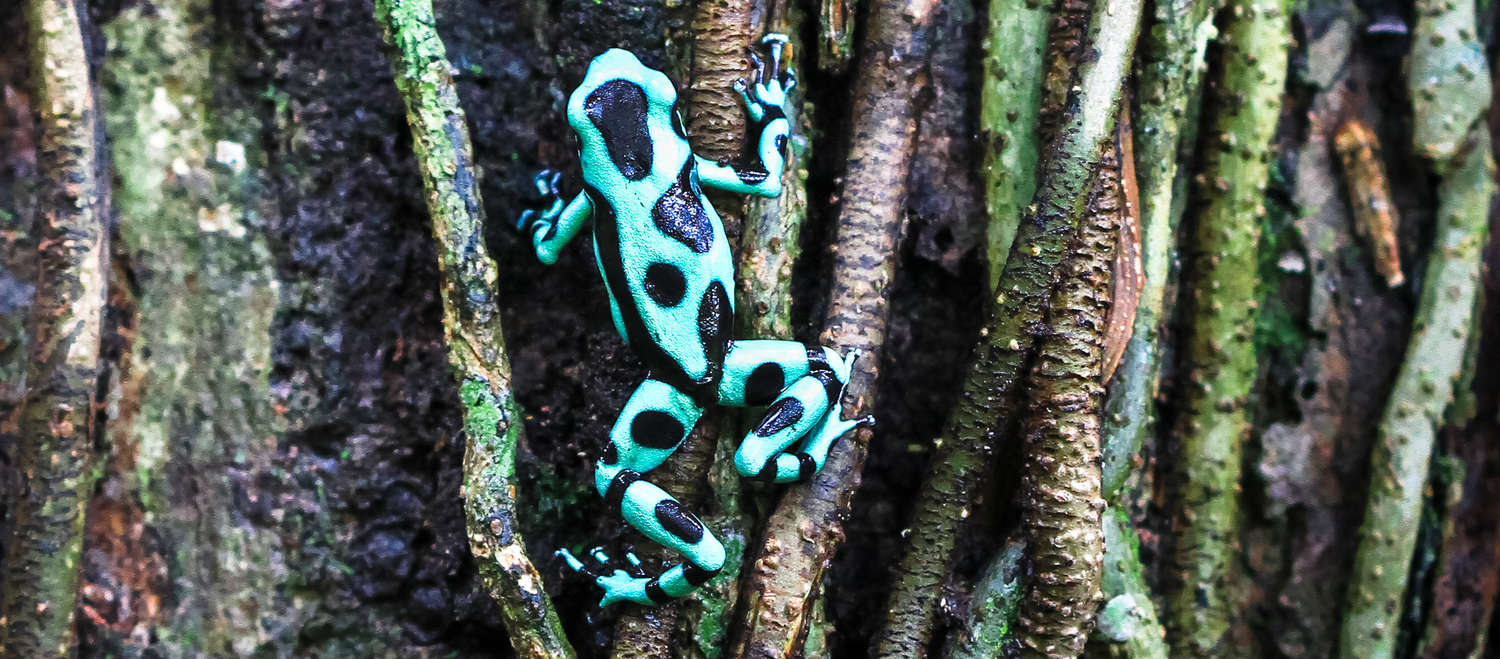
(1168, 71)
(195, 373)
(476, 346)
(1009, 100)
(806, 528)
(989, 626)
(1219, 360)
(57, 423)
(1424, 388)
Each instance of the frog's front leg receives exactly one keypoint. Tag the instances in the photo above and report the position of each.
(766, 101)
(553, 227)
(656, 419)
(802, 385)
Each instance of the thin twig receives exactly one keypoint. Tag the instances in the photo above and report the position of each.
(1424, 388)
(471, 324)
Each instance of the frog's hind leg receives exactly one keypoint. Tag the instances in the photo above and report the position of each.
(656, 419)
(802, 385)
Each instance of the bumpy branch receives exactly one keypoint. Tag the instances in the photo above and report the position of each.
(1446, 61)
(471, 322)
(807, 526)
(1060, 479)
(1219, 356)
(988, 402)
(56, 423)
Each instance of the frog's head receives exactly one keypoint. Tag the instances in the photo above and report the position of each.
(620, 107)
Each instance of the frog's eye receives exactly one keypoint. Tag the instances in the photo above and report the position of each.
(659, 87)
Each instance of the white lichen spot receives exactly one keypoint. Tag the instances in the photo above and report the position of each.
(231, 155)
(162, 107)
(1292, 262)
(513, 559)
(221, 219)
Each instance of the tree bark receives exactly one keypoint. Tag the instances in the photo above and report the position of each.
(57, 422)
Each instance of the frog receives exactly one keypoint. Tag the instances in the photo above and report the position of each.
(668, 272)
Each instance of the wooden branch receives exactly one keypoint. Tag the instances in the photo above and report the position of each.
(1009, 100)
(988, 402)
(57, 422)
(769, 248)
(1168, 80)
(807, 526)
(1424, 388)
(1219, 356)
(471, 322)
(1060, 478)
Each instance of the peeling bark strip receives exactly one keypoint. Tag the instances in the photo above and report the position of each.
(1370, 197)
(56, 423)
(1168, 76)
(1402, 456)
(471, 323)
(807, 527)
(1060, 478)
(1219, 355)
(989, 399)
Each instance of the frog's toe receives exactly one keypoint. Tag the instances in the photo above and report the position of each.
(573, 562)
(635, 564)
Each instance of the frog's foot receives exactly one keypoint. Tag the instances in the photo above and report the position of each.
(791, 443)
(619, 584)
(548, 206)
(769, 85)
(833, 426)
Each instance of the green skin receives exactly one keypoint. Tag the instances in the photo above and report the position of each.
(668, 269)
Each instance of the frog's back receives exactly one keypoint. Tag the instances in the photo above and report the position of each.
(660, 246)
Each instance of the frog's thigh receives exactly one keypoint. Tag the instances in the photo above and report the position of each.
(654, 422)
(658, 516)
(756, 372)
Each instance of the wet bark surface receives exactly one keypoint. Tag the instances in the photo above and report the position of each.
(284, 456)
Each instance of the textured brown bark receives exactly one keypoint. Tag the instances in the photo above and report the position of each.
(1060, 482)
(57, 422)
(807, 527)
(716, 115)
(716, 123)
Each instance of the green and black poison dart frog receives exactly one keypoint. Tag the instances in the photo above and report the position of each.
(668, 270)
